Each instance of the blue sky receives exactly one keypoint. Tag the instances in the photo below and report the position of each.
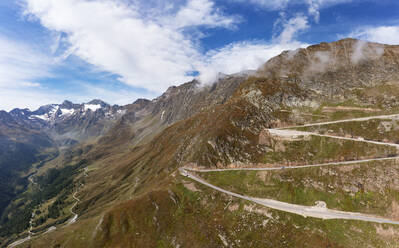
(121, 50)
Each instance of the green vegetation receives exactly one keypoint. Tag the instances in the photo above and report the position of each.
(57, 183)
(365, 187)
(323, 149)
(351, 108)
(206, 218)
(11, 162)
(382, 129)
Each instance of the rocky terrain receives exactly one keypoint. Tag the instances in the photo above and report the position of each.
(134, 196)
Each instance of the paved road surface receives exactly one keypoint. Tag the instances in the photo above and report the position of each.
(18, 242)
(315, 211)
(346, 120)
(306, 211)
(291, 167)
(75, 217)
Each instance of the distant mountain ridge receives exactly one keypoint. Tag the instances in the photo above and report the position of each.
(74, 121)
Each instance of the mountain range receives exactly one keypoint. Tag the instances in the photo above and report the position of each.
(116, 168)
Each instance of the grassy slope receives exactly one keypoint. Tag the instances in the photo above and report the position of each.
(143, 173)
(367, 188)
(323, 149)
(362, 129)
(179, 216)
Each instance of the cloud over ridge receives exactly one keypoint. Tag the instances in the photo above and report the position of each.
(153, 51)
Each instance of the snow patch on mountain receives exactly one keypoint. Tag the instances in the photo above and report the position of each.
(92, 107)
(44, 117)
(67, 112)
(121, 112)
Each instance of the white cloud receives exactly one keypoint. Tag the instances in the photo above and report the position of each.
(200, 13)
(291, 27)
(382, 34)
(20, 64)
(115, 37)
(250, 55)
(241, 57)
(268, 4)
(153, 51)
(30, 84)
(147, 50)
(25, 98)
(314, 6)
(313, 9)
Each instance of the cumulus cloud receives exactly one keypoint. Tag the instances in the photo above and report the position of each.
(291, 27)
(147, 44)
(200, 13)
(242, 56)
(145, 52)
(149, 47)
(382, 34)
(250, 55)
(21, 65)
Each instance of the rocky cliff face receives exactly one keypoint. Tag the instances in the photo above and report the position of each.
(331, 69)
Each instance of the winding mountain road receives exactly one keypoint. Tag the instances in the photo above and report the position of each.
(346, 120)
(52, 228)
(306, 211)
(75, 215)
(295, 133)
(18, 242)
(291, 167)
(317, 211)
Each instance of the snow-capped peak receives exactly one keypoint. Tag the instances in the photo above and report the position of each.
(51, 114)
